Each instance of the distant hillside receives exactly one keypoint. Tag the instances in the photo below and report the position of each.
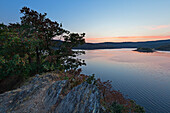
(113, 45)
(164, 47)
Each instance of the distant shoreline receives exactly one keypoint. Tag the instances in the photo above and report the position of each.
(118, 45)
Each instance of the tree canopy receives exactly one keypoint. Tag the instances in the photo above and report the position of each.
(28, 47)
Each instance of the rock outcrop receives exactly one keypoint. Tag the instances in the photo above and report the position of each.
(44, 94)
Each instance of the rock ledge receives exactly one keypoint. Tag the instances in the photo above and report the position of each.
(44, 94)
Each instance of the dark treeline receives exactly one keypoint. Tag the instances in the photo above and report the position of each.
(114, 45)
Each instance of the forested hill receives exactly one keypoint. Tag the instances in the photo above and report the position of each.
(113, 45)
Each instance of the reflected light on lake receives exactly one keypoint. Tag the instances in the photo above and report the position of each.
(144, 77)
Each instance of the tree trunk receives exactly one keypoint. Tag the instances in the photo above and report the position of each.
(37, 59)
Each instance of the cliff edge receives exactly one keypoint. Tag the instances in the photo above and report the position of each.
(44, 94)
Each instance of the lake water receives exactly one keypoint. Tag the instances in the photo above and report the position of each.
(144, 77)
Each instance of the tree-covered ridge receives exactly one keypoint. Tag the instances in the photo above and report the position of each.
(26, 47)
(164, 47)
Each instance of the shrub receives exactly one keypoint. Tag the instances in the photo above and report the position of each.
(114, 101)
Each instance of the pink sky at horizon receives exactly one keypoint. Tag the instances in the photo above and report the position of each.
(126, 39)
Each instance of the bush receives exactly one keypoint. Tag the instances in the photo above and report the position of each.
(114, 101)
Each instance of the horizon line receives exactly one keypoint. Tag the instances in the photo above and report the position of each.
(126, 39)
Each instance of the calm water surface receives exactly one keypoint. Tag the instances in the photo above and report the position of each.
(144, 77)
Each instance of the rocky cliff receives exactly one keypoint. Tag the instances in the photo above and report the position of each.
(44, 94)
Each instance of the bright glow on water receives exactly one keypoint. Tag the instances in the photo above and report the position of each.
(144, 77)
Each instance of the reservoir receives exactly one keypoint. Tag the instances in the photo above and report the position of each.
(144, 77)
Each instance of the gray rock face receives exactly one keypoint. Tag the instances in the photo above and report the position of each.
(84, 98)
(43, 94)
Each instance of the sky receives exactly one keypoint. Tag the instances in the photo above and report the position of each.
(101, 20)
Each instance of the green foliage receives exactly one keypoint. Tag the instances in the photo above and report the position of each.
(91, 79)
(28, 48)
(13, 57)
(145, 50)
(114, 101)
(120, 108)
(116, 108)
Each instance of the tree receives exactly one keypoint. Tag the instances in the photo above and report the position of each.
(31, 43)
(45, 30)
(13, 53)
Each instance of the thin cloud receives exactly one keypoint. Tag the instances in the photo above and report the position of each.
(157, 27)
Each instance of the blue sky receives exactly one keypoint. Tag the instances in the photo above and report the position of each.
(99, 18)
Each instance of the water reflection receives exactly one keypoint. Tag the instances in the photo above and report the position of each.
(144, 77)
